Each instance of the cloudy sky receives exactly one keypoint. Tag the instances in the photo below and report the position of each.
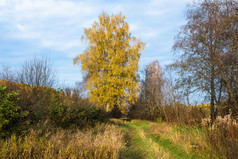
(53, 28)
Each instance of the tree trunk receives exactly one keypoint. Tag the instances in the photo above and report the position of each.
(212, 102)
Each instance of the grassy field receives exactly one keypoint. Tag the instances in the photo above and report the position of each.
(135, 139)
(101, 142)
(149, 140)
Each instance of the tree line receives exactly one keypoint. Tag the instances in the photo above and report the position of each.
(207, 63)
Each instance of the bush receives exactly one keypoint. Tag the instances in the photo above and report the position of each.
(66, 117)
(37, 100)
(180, 113)
(48, 106)
(177, 113)
(159, 120)
(10, 113)
(58, 113)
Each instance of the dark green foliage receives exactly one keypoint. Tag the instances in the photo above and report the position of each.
(24, 107)
(80, 117)
(115, 113)
(57, 114)
(10, 113)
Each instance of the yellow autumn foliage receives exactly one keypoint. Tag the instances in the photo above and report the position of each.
(111, 62)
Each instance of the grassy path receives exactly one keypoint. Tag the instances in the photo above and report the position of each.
(142, 143)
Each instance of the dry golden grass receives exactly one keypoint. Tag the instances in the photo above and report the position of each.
(223, 136)
(104, 141)
(220, 140)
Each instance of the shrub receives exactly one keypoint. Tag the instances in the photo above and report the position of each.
(50, 106)
(10, 113)
(177, 113)
(58, 113)
(66, 117)
(159, 120)
(37, 100)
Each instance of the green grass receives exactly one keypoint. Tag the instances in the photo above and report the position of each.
(144, 125)
(143, 143)
(174, 150)
(138, 146)
(131, 150)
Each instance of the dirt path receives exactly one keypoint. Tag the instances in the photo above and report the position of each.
(143, 144)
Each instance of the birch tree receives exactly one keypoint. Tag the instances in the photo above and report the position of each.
(111, 62)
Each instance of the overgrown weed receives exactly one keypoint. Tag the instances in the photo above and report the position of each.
(107, 143)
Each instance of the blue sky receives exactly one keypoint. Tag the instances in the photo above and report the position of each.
(53, 28)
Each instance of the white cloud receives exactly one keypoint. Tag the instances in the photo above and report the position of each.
(49, 22)
(25, 32)
(155, 12)
(58, 24)
(2, 2)
(151, 34)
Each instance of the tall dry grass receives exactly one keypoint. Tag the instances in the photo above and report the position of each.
(103, 141)
(217, 141)
(223, 136)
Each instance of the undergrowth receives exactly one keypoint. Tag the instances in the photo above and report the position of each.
(107, 142)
